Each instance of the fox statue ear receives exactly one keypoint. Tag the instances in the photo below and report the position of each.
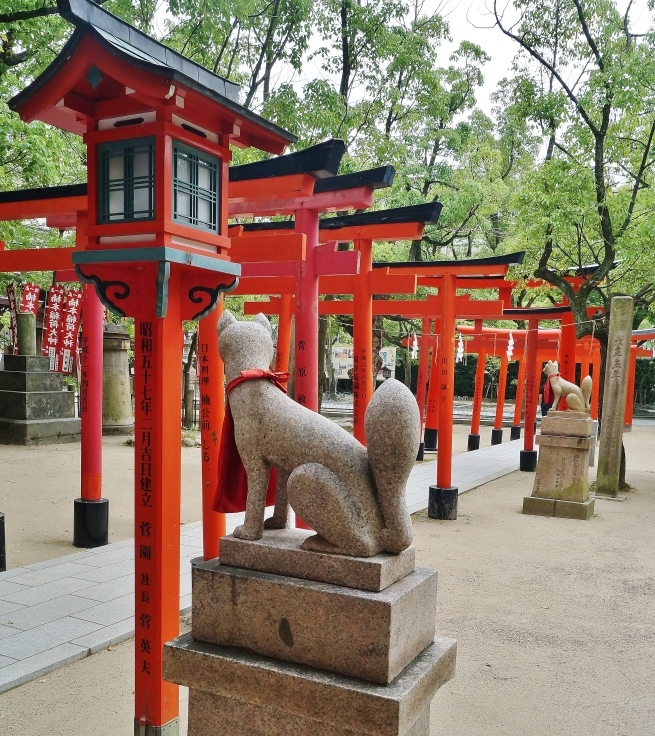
(556, 364)
(227, 319)
(262, 320)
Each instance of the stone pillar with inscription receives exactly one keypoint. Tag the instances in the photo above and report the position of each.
(616, 382)
(561, 484)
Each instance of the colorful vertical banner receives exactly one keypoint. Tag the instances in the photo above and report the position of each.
(29, 302)
(70, 323)
(52, 320)
(11, 296)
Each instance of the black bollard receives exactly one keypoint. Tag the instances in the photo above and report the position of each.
(474, 442)
(528, 461)
(430, 437)
(442, 503)
(3, 549)
(496, 436)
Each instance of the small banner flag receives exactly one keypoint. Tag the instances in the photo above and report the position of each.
(52, 320)
(70, 323)
(30, 300)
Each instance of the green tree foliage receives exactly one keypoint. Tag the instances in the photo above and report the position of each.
(583, 83)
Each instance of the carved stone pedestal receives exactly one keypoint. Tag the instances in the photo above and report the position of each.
(276, 654)
(561, 484)
(34, 408)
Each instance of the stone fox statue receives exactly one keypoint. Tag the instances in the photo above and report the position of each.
(352, 497)
(577, 399)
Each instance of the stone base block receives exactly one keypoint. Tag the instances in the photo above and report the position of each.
(116, 430)
(372, 636)
(561, 424)
(39, 431)
(575, 510)
(515, 432)
(496, 436)
(238, 693)
(539, 506)
(29, 363)
(562, 509)
(563, 468)
(36, 405)
(279, 552)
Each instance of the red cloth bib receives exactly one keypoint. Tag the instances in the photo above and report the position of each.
(548, 394)
(232, 487)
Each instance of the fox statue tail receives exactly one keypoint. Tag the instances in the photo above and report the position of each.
(392, 436)
(586, 387)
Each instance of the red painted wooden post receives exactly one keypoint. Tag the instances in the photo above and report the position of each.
(431, 433)
(518, 402)
(91, 405)
(212, 412)
(285, 320)
(422, 377)
(567, 347)
(630, 393)
(478, 394)
(157, 390)
(497, 431)
(362, 339)
(528, 460)
(306, 336)
(91, 511)
(446, 384)
(306, 347)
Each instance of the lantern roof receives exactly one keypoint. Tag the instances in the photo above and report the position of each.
(108, 65)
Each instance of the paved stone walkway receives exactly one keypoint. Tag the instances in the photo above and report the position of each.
(58, 611)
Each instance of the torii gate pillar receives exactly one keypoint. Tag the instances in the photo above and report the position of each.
(442, 502)
(528, 457)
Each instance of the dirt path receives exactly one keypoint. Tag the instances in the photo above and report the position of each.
(553, 617)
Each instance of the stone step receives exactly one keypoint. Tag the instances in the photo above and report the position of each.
(279, 551)
(37, 405)
(372, 636)
(29, 363)
(238, 693)
(39, 431)
(25, 381)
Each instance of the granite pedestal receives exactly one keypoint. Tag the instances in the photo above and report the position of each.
(34, 408)
(274, 653)
(561, 485)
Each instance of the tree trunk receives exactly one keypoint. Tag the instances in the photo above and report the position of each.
(407, 365)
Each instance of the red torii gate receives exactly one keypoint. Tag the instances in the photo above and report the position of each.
(402, 223)
(448, 272)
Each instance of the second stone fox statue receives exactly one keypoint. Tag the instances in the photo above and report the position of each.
(352, 496)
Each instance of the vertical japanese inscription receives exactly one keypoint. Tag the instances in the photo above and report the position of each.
(144, 440)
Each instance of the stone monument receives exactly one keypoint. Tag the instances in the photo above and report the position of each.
(34, 408)
(616, 382)
(117, 415)
(561, 484)
(293, 632)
